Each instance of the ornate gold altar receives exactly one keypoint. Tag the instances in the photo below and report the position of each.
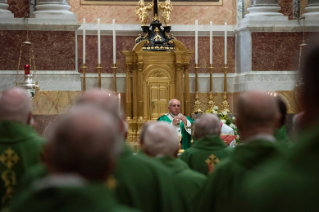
(157, 70)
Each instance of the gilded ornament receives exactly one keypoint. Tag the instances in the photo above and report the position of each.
(142, 11)
(225, 104)
(167, 8)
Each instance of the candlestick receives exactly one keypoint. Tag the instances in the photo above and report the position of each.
(225, 103)
(196, 77)
(84, 28)
(225, 51)
(211, 43)
(196, 42)
(98, 42)
(119, 102)
(83, 67)
(114, 77)
(99, 67)
(211, 69)
(114, 43)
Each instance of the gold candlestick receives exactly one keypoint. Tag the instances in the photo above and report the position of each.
(211, 103)
(225, 103)
(114, 77)
(83, 67)
(197, 103)
(99, 67)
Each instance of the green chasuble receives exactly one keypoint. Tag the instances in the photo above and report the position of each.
(187, 181)
(43, 195)
(282, 139)
(196, 157)
(186, 136)
(224, 186)
(291, 184)
(20, 148)
(146, 184)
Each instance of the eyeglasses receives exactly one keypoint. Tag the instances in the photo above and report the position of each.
(175, 105)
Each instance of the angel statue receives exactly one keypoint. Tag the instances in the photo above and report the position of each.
(167, 8)
(225, 104)
(142, 11)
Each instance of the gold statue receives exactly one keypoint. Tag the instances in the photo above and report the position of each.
(167, 8)
(142, 11)
(211, 103)
(197, 104)
(225, 104)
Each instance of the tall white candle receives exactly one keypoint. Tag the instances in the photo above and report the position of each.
(225, 51)
(119, 98)
(196, 42)
(211, 43)
(114, 43)
(98, 42)
(84, 28)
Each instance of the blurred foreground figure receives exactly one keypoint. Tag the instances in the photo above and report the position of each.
(80, 156)
(209, 149)
(20, 145)
(292, 184)
(162, 143)
(256, 119)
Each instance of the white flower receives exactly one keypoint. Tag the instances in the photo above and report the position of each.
(223, 121)
(237, 136)
(234, 118)
(224, 113)
(233, 126)
(216, 107)
(215, 112)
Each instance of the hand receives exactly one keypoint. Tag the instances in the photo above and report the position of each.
(176, 121)
(184, 120)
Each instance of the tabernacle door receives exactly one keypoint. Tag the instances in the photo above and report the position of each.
(159, 97)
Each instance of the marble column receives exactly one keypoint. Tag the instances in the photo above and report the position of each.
(4, 12)
(312, 10)
(53, 9)
(263, 8)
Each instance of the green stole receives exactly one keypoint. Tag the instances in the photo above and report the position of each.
(186, 138)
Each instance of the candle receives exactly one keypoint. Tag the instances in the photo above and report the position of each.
(119, 102)
(211, 43)
(114, 43)
(196, 42)
(225, 51)
(84, 27)
(98, 41)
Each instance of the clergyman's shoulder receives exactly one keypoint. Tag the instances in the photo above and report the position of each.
(163, 117)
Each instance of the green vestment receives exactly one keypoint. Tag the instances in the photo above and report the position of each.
(20, 148)
(67, 198)
(282, 139)
(196, 156)
(225, 184)
(291, 184)
(187, 181)
(186, 137)
(146, 184)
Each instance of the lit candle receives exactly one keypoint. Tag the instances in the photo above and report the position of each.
(211, 43)
(196, 42)
(225, 43)
(114, 43)
(98, 41)
(84, 27)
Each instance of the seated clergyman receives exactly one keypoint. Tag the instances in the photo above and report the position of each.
(181, 123)
(162, 143)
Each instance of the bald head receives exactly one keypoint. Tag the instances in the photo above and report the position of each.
(257, 112)
(161, 139)
(207, 125)
(15, 105)
(83, 141)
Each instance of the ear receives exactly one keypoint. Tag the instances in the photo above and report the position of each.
(277, 121)
(29, 119)
(176, 153)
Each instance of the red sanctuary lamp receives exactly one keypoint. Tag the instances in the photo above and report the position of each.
(26, 69)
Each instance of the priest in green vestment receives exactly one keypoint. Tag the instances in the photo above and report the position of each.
(162, 143)
(20, 145)
(79, 158)
(181, 123)
(209, 149)
(257, 115)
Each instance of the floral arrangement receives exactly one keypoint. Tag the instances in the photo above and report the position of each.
(225, 119)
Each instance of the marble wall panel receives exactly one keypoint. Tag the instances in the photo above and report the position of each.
(20, 8)
(53, 50)
(180, 15)
(127, 43)
(43, 123)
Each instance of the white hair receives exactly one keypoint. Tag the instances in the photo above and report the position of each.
(170, 101)
(15, 105)
(207, 125)
(161, 139)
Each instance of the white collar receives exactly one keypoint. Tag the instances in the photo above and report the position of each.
(261, 136)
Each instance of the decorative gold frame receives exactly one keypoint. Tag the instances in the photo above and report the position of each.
(133, 3)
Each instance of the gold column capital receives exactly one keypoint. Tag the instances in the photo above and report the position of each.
(140, 66)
